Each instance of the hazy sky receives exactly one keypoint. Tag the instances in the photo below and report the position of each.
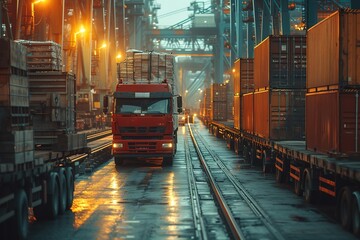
(173, 11)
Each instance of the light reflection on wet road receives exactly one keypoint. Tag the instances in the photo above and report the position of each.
(135, 201)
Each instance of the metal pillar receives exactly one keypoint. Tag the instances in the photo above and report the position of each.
(266, 18)
(239, 28)
(311, 8)
(220, 46)
(285, 17)
(234, 52)
(256, 12)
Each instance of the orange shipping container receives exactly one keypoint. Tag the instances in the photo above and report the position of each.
(279, 114)
(280, 62)
(333, 50)
(218, 92)
(333, 129)
(243, 74)
(247, 112)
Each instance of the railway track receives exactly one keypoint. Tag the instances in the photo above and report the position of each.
(241, 214)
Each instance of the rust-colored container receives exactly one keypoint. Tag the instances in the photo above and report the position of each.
(218, 111)
(237, 111)
(280, 62)
(218, 92)
(331, 122)
(230, 105)
(247, 112)
(279, 114)
(333, 50)
(243, 74)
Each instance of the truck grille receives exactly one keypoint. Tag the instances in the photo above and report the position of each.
(142, 130)
(142, 137)
(142, 147)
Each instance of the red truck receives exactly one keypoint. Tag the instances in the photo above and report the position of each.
(146, 107)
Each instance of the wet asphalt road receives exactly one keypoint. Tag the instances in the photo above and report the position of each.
(147, 201)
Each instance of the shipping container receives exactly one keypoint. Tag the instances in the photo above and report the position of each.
(237, 111)
(333, 51)
(243, 74)
(218, 111)
(247, 112)
(279, 114)
(332, 119)
(280, 62)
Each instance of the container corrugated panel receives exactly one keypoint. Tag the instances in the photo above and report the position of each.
(279, 114)
(218, 92)
(333, 50)
(237, 112)
(243, 74)
(280, 62)
(218, 111)
(230, 105)
(247, 112)
(332, 129)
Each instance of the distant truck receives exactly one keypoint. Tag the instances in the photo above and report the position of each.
(145, 109)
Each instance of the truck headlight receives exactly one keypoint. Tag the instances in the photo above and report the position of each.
(117, 145)
(167, 145)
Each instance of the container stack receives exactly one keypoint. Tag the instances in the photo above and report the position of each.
(218, 102)
(243, 75)
(279, 83)
(333, 84)
(16, 134)
(205, 105)
(43, 56)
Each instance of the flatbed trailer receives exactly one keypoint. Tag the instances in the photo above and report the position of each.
(312, 174)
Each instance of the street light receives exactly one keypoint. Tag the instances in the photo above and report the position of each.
(82, 30)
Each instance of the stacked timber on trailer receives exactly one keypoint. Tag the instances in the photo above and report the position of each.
(279, 89)
(16, 133)
(333, 85)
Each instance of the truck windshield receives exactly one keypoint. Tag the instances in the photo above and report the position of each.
(142, 105)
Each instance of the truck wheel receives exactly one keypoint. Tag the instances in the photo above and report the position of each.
(53, 195)
(62, 190)
(345, 208)
(279, 176)
(298, 188)
(309, 193)
(20, 221)
(167, 161)
(356, 214)
(69, 187)
(118, 161)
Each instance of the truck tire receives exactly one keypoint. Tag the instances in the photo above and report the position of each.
(118, 161)
(298, 187)
(62, 190)
(69, 187)
(345, 208)
(53, 195)
(167, 161)
(20, 221)
(356, 213)
(309, 193)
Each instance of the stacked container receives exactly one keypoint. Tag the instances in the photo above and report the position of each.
(279, 83)
(333, 84)
(16, 134)
(218, 102)
(205, 104)
(243, 74)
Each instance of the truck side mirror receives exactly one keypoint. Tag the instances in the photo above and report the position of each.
(179, 104)
(105, 104)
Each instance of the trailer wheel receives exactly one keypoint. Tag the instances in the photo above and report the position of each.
(309, 193)
(69, 187)
(356, 213)
(118, 161)
(266, 167)
(345, 208)
(53, 195)
(20, 221)
(63, 191)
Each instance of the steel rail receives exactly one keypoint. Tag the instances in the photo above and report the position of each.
(230, 220)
